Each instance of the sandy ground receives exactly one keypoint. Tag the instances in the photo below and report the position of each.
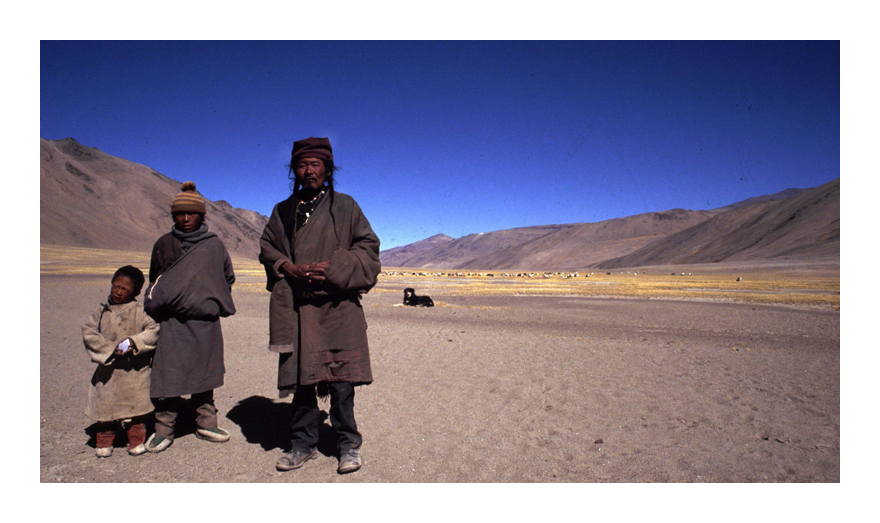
(497, 389)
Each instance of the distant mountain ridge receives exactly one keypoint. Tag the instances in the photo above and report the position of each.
(91, 199)
(460, 252)
(792, 224)
(781, 195)
(396, 256)
(805, 227)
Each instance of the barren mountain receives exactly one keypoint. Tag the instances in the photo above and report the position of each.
(461, 252)
(802, 224)
(92, 199)
(550, 247)
(583, 245)
(397, 256)
(781, 195)
(805, 227)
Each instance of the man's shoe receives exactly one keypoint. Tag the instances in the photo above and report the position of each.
(157, 443)
(350, 461)
(294, 460)
(104, 452)
(217, 435)
(137, 450)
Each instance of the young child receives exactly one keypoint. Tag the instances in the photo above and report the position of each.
(120, 338)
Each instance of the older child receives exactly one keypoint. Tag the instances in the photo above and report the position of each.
(120, 338)
(190, 289)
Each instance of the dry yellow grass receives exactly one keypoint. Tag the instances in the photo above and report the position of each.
(790, 287)
(81, 261)
(771, 287)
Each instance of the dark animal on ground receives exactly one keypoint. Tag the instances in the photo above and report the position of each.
(410, 298)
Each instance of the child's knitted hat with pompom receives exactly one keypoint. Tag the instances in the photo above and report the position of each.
(188, 200)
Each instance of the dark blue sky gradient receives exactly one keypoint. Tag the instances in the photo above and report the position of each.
(462, 137)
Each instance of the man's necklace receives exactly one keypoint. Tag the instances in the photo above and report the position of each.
(310, 205)
(313, 200)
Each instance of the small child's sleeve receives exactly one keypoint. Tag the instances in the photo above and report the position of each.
(99, 348)
(145, 340)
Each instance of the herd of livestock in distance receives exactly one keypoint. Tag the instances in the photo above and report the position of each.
(507, 274)
(487, 274)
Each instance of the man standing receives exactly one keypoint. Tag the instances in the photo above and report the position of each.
(320, 256)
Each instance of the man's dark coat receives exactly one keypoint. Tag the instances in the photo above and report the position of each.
(319, 329)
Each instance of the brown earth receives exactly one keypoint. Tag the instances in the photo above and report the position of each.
(513, 389)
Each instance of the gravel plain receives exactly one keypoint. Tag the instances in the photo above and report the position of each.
(496, 389)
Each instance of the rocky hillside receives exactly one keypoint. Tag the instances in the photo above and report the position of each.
(460, 253)
(796, 224)
(805, 227)
(398, 256)
(586, 244)
(91, 199)
(556, 247)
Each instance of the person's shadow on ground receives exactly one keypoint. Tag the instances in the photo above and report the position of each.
(267, 423)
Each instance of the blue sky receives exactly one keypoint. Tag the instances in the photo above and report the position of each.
(461, 137)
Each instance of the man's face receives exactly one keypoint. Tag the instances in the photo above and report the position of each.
(187, 221)
(310, 173)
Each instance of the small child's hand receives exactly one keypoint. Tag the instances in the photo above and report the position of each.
(123, 347)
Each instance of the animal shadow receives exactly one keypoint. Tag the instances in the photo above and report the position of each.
(267, 423)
